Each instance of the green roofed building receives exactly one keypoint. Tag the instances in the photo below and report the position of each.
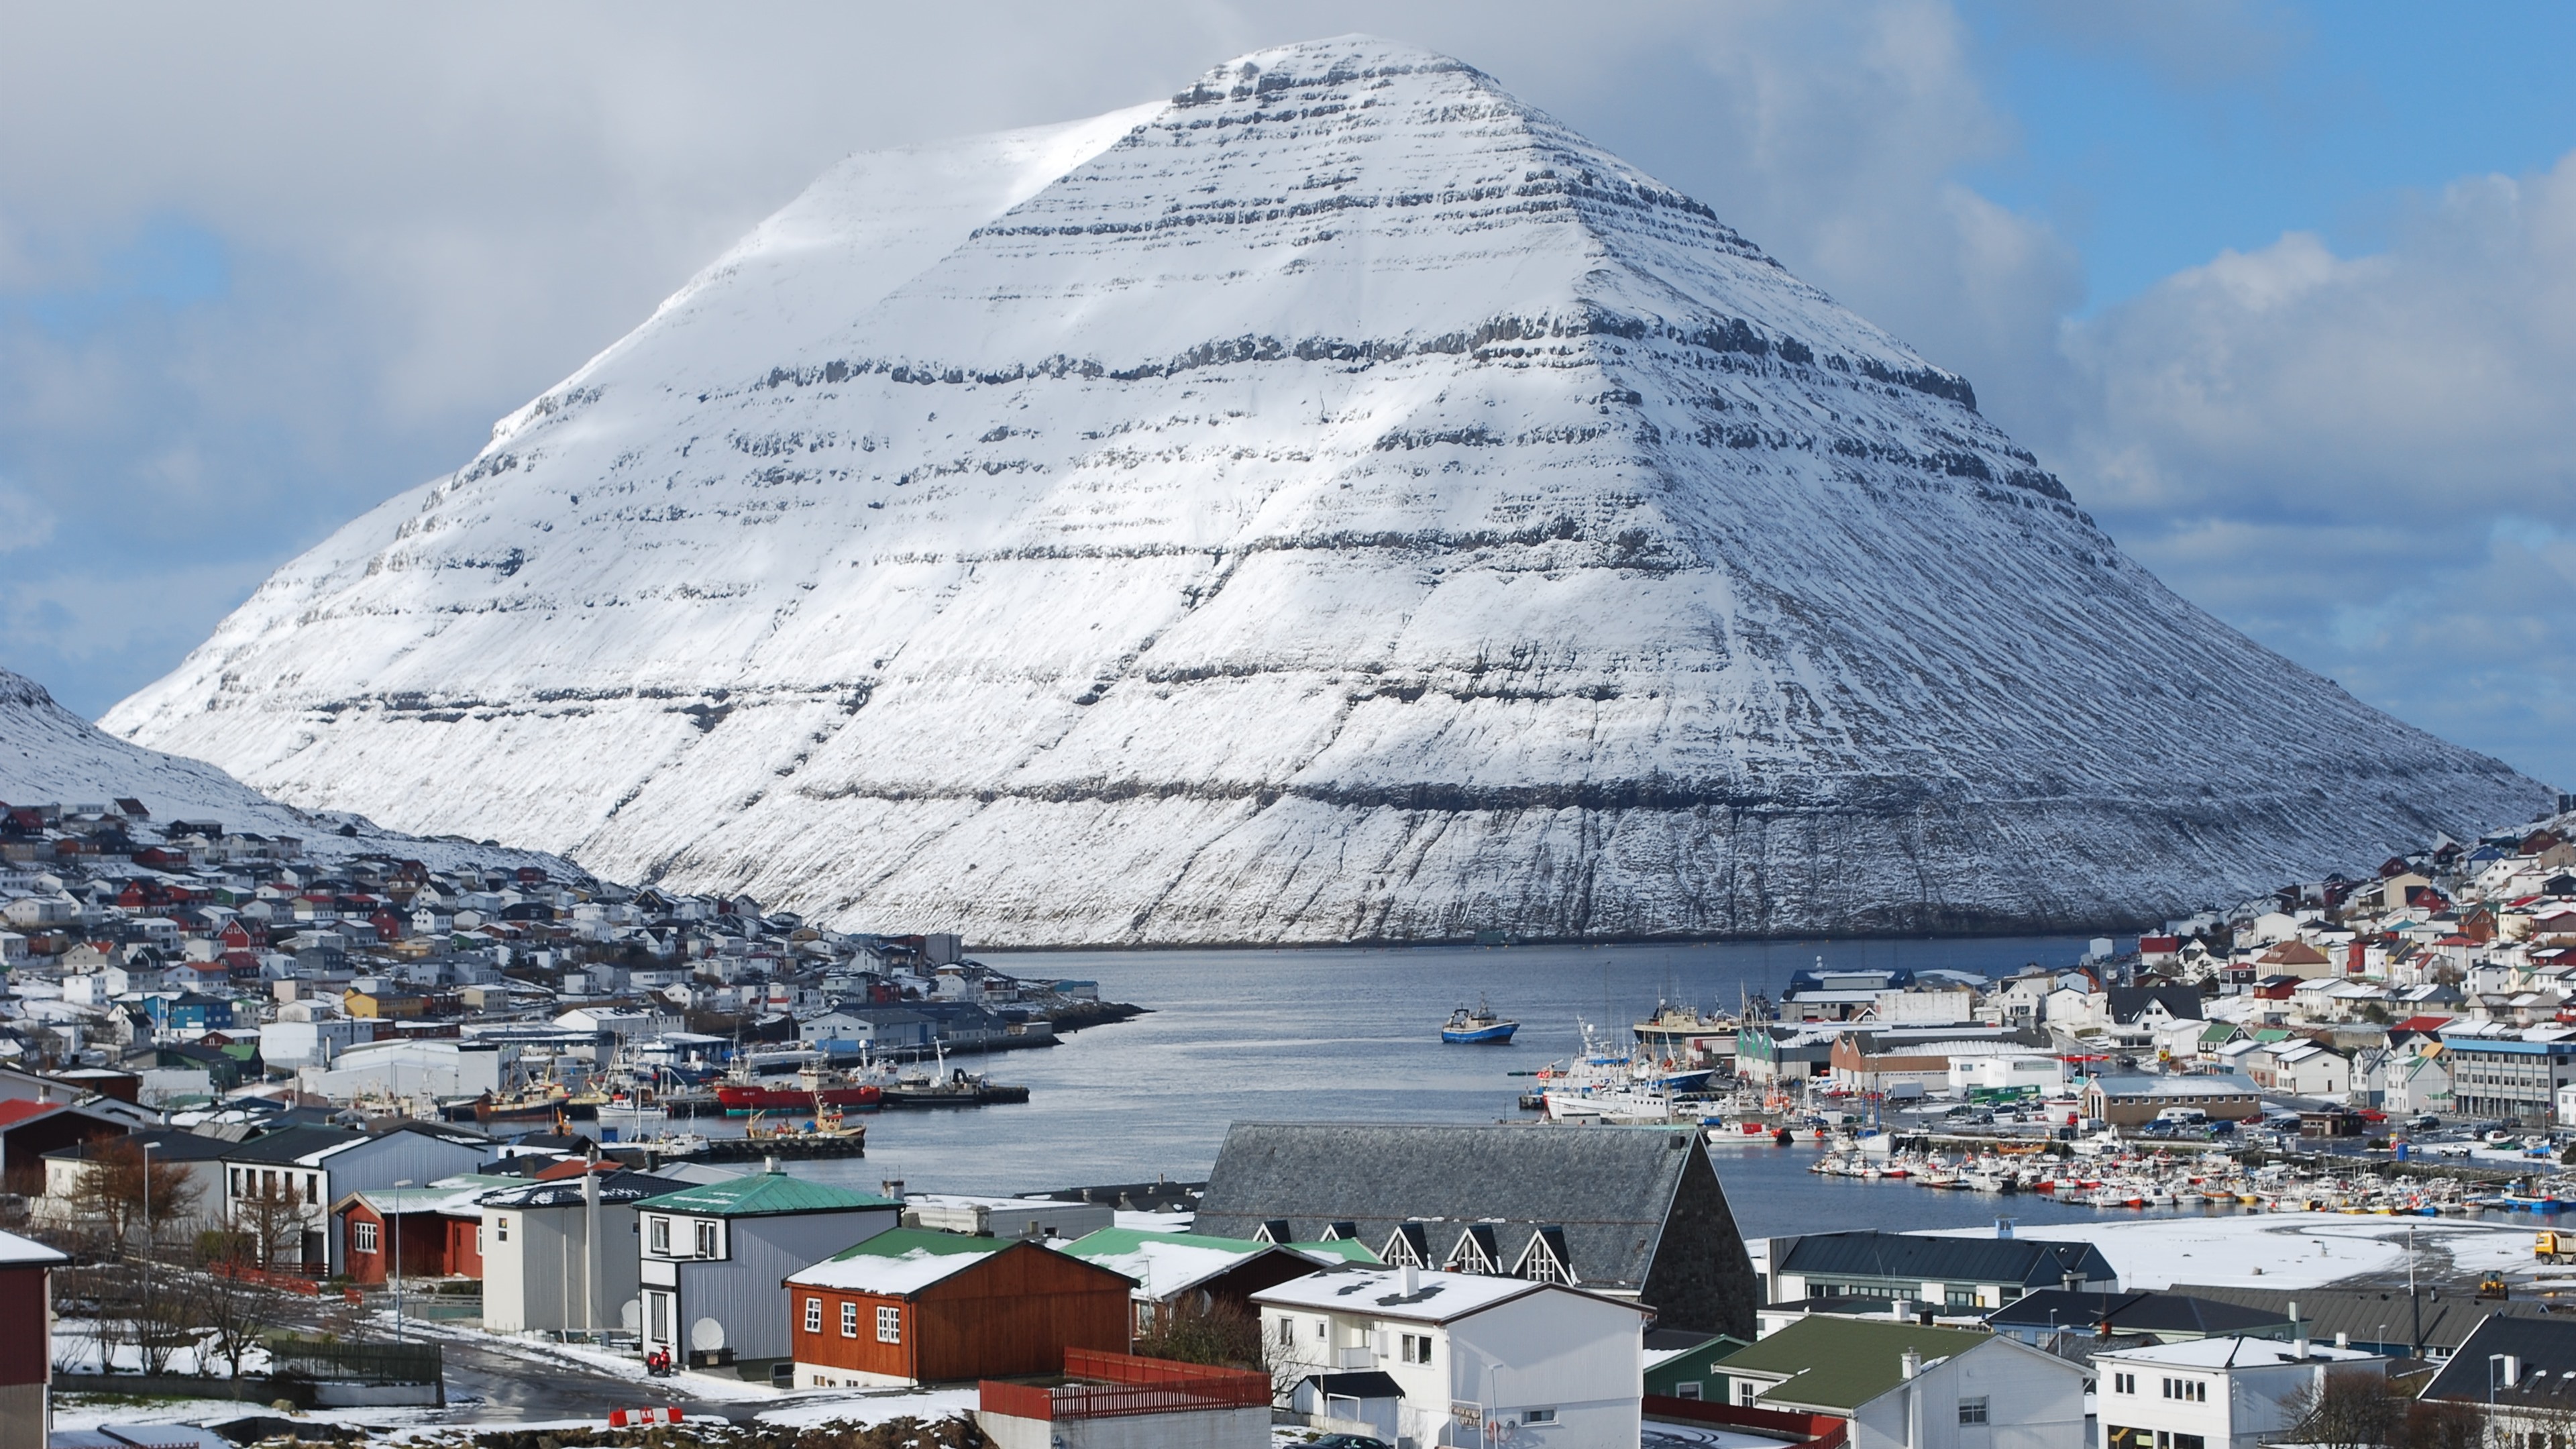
(715, 1257)
(1905, 1383)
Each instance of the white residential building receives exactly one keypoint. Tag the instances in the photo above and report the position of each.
(2001, 1394)
(2211, 1393)
(1434, 1358)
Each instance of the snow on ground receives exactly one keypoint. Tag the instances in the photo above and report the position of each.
(1155, 1222)
(863, 1409)
(2285, 1250)
(88, 1411)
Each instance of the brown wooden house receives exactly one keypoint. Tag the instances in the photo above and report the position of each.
(910, 1306)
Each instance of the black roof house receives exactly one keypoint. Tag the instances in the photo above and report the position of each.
(2543, 1351)
(2030, 1262)
(2166, 1315)
(2127, 1003)
(1632, 1212)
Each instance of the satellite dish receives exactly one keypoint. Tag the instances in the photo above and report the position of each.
(706, 1335)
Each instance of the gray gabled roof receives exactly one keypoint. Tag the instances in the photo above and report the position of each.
(1608, 1188)
(2544, 1350)
(2030, 1262)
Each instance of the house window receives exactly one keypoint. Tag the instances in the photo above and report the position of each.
(849, 1319)
(1416, 1347)
(657, 1234)
(706, 1240)
(2188, 1441)
(478, 1240)
(1287, 1331)
(501, 1228)
(1972, 1411)
(1539, 1416)
(1956, 1296)
(2190, 1391)
(813, 1315)
(1688, 1390)
(312, 1188)
(2124, 1383)
(1744, 1395)
(889, 1323)
(366, 1237)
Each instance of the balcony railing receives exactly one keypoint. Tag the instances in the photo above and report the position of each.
(1119, 1385)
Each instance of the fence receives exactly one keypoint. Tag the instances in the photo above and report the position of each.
(372, 1363)
(1122, 1385)
(1810, 1431)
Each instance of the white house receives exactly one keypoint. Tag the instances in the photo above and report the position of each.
(2001, 1394)
(2217, 1393)
(315, 1167)
(1434, 1358)
(2007, 1071)
(560, 1253)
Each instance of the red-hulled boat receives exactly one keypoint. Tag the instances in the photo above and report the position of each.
(807, 1091)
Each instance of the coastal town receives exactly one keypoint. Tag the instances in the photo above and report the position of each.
(300, 1143)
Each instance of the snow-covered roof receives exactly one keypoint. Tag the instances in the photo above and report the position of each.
(18, 1252)
(1436, 1297)
(2231, 1353)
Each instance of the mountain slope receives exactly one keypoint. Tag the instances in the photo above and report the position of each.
(1340, 502)
(50, 756)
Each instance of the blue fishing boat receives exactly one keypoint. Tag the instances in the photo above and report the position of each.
(1480, 1026)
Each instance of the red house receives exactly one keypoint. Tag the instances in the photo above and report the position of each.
(26, 1342)
(438, 1230)
(911, 1306)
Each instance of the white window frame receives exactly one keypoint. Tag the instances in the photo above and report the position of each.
(657, 1236)
(1973, 1411)
(365, 1237)
(813, 1315)
(849, 1318)
(706, 1239)
(889, 1323)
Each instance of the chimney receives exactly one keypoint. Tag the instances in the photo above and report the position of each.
(1410, 1279)
(892, 1187)
(2343, 1340)
(769, 1164)
(2073, 1281)
(1909, 1363)
(2511, 1373)
(2003, 1227)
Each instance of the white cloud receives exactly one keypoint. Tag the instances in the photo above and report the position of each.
(2367, 462)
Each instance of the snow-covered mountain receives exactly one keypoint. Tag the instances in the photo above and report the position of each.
(50, 756)
(1337, 502)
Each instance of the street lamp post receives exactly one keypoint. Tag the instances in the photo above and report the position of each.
(147, 1197)
(398, 1217)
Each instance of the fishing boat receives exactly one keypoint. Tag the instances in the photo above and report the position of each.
(1480, 1026)
(811, 1088)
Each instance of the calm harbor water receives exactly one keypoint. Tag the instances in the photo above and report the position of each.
(1353, 1035)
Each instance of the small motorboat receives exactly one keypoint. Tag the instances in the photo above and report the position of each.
(1479, 1027)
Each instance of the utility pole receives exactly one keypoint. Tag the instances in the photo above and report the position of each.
(398, 1217)
(2415, 1305)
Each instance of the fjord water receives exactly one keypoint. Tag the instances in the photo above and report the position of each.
(1352, 1034)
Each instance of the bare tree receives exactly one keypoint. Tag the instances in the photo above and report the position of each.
(2444, 1424)
(2348, 1409)
(237, 1302)
(1197, 1329)
(121, 1186)
(270, 1221)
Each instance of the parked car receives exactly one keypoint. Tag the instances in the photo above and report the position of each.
(1348, 1441)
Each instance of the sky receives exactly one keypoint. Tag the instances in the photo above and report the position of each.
(2285, 292)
